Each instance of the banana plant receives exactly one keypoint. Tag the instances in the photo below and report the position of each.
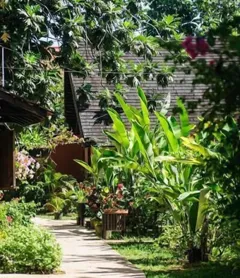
(165, 157)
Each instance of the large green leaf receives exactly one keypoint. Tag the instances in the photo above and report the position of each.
(175, 126)
(85, 165)
(145, 146)
(198, 210)
(133, 144)
(144, 108)
(168, 158)
(172, 140)
(142, 95)
(110, 153)
(125, 107)
(193, 212)
(184, 196)
(184, 119)
(96, 154)
(114, 137)
(203, 204)
(119, 127)
(191, 144)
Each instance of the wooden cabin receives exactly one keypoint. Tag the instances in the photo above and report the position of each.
(18, 111)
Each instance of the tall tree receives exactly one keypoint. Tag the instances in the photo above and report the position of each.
(195, 16)
(29, 27)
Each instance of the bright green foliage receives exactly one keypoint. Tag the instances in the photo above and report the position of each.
(114, 28)
(20, 212)
(46, 183)
(16, 212)
(96, 167)
(77, 195)
(55, 204)
(25, 248)
(195, 17)
(29, 250)
(165, 158)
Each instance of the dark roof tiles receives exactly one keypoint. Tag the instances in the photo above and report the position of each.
(181, 86)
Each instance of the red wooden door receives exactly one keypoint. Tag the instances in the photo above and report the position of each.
(7, 159)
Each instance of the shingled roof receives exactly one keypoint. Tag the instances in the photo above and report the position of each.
(14, 109)
(85, 121)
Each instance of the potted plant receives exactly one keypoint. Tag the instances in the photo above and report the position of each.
(56, 205)
(79, 196)
(115, 211)
(98, 228)
(115, 202)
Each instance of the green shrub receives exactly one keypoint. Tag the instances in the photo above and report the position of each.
(29, 249)
(20, 212)
(172, 237)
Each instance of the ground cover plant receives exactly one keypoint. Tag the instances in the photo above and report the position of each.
(158, 262)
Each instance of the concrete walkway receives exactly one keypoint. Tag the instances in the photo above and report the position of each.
(84, 254)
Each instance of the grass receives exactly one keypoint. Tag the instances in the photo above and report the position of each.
(158, 262)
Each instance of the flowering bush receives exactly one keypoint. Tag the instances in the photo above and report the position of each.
(16, 212)
(195, 46)
(117, 199)
(26, 166)
(105, 197)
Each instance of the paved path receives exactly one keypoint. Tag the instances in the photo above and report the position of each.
(84, 254)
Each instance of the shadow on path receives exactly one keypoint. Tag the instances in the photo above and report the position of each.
(87, 256)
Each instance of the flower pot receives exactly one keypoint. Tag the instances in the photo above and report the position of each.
(92, 223)
(116, 211)
(96, 222)
(81, 207)
(98, 229)
(58, 215)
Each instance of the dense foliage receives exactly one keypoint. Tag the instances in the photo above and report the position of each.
(166, 169)
(25, 248)
(16, 212)
(161, 167)
(114, 28)
(29, 250)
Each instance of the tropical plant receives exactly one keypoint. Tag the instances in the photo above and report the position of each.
(98, 170)
(162, 156)
(32, 138)
(55, 205)
(78, 195)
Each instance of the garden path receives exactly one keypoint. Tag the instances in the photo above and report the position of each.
(84, 254)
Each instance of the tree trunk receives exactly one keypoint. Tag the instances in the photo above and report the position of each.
(195, 254)
(204, 237)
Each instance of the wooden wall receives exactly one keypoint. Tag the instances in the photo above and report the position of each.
(64, 156)
(7, 159)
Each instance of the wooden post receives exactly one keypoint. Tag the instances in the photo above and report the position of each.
(7, 159)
